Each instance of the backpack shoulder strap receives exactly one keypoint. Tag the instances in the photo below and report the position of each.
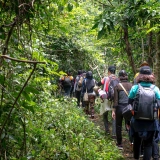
(152, 86)
(123, 88)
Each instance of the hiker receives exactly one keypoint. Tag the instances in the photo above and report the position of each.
(78, 87)
(121, 91)
(66, 82)
(81, 81)
(72, 85)
(87, 87)
(155, 145)
(140, 128)
(106, 81)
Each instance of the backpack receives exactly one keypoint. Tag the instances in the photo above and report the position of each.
(67, 81)
(145, 103)
(113, 82)
(80, 81)
(78, 84)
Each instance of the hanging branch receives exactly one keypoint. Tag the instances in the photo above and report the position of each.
(25, 84)
(18, 60)
(9, 35)
(96, 67)
(15, 102)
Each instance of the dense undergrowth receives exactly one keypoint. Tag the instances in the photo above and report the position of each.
(61, 131)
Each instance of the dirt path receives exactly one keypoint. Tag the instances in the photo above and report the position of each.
(127, 149)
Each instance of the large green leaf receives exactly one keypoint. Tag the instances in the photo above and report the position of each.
(30, 89)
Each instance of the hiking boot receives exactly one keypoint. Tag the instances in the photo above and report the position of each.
(131, 147)
(92, 116)
(120, 147)
(141, 155)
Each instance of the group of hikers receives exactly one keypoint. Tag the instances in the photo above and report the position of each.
(136, 103)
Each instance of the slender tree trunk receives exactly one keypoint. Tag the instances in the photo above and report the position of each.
(142, 45)
(150, 49)
(128, 49)
(157, 67)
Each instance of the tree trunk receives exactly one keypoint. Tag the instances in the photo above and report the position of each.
(128, 49)
(142, 44)
(157, 67)
(150, 49)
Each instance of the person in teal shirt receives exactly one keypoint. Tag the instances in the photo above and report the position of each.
(146, 130)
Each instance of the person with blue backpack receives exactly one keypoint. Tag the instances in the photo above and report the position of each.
(144, 124)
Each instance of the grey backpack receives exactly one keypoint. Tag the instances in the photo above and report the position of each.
(145, 103)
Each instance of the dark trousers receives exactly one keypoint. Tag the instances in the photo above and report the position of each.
(78, 96)
(155, 150)
(67, 90)
(147, 143)
(105, 120)
(119, 119)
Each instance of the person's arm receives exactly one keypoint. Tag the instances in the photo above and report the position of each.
(115, 101)
(115, 104)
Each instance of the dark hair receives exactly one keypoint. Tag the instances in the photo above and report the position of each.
(80, 72)
(112, 69)
(89, 75)
(123, 75)
(145, 78)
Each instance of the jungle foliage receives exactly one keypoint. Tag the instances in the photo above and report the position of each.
(40, 41)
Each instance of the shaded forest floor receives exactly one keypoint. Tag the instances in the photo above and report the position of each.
(127, 149)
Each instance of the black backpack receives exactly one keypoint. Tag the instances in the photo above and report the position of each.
(67, 81)
(144, 104)
(113, 82)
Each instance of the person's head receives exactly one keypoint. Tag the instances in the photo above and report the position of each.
(144, 63)
(123, 75)
(145, 75)
(68, 73)
(79, 72)
(111, 70)
(89, 75)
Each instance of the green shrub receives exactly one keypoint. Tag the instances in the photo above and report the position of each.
(60, 130)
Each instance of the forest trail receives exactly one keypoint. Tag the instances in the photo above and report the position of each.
(127, 149)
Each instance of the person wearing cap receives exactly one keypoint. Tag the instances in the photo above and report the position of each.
(143, 64)
(111, 74)
(121, 92)
(148, 127)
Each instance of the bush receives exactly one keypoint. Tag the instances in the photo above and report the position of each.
(60, 130)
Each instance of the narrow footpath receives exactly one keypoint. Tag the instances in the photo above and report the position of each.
(127, 148)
